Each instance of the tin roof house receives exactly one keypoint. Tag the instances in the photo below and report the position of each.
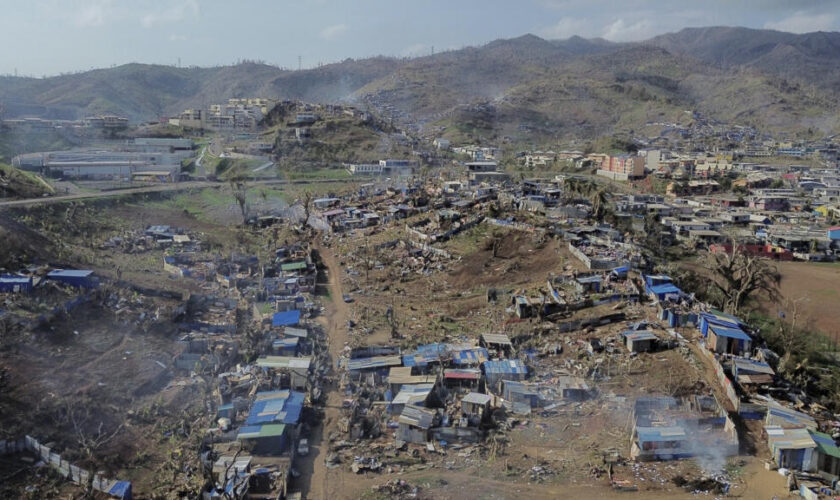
(791, 448)
(721, 339)
(10, 283)
(414, 424)
(73, 277)
(507, 369)
(640, 341)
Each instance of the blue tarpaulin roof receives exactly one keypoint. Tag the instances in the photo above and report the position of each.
(474, 356)
(777, 413)
(69, 273)
(664, 289)
(373, 363)
(425, 354)
(10, 278)
(121, 489)
(719, 318)
(655, 434)
(286, 318)
(281, 409)
(505, 366)
(732, 333)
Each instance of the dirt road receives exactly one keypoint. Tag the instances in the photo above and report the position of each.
(323, 484)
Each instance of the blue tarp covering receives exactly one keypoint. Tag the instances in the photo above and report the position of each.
(505, 366)
(286, 318)
(664, 289)
(474, 356)
(651, 281)
(732, 333)
(659, 434)
(718, 318)
(284, 410)
(425, 354)
(121, 489)
(8, 282)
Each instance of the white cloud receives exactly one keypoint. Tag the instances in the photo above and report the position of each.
(334, 31)
(177, 38)
(565, 28)
(177, 11)
(93, 14)
(802, 22)
(624, 31)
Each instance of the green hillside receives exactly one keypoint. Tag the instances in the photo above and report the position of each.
(15, 183)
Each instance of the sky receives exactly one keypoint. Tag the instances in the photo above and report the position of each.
(49, 37)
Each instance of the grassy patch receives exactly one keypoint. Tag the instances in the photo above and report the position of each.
(321, 173)
(469, 241)
(19, 183)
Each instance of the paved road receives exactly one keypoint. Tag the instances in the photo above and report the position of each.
(178, 186)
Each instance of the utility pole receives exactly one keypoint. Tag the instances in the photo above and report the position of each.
(299, 65)
(433, 50)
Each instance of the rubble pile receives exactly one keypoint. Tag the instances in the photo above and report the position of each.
(397, 488)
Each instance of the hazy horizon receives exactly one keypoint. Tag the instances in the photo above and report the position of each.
(53, 37)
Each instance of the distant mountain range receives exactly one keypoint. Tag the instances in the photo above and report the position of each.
(527, 87)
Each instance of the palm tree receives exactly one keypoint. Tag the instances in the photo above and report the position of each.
(600, 203)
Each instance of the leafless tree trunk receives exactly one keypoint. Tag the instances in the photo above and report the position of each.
(239, 188)
(791, 334)
(739, 276)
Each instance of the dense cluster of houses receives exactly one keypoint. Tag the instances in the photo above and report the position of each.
(445, 392)
(257, 312)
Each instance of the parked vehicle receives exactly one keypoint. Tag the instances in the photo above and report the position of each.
(303, 447)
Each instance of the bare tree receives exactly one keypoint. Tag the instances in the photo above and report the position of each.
(239, 189)
(791, 335)
(738, 277)
(89, 442)
(306, 200)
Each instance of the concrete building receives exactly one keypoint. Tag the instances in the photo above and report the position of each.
(159, 157)
(481, 166)
(107, 122)
(622, 167)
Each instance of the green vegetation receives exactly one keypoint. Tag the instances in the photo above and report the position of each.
(207, 203)
(321, 173)
(21, 184)
(809, 358)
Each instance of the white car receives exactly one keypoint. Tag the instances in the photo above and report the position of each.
(303, 447)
